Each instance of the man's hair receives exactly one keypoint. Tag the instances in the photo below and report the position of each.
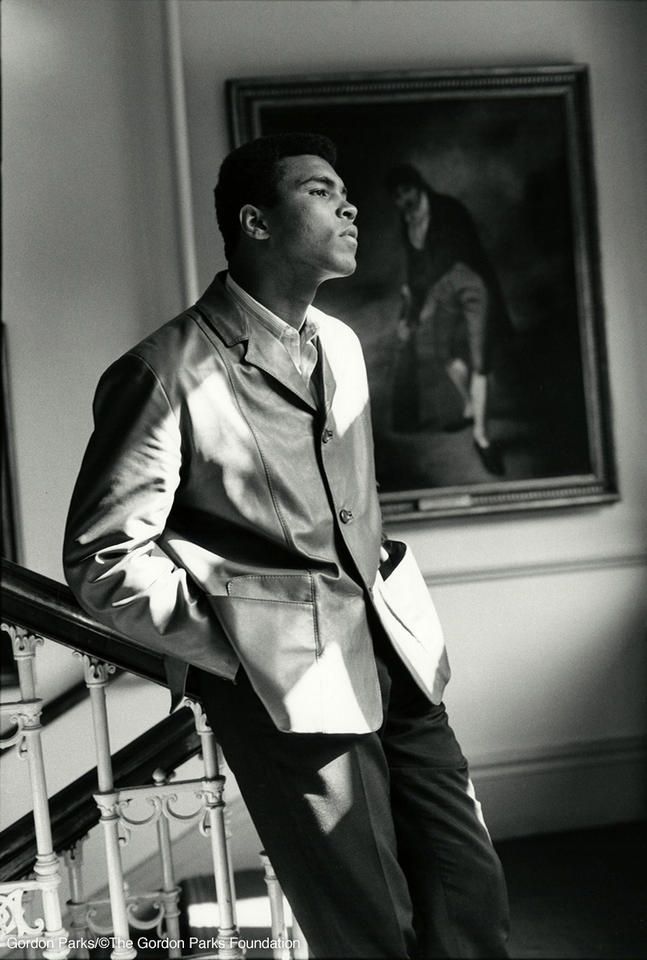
(250, 174)
(404, 175)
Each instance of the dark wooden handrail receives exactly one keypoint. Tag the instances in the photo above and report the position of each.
(48, 608)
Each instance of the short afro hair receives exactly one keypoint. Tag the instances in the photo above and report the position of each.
(250, 174)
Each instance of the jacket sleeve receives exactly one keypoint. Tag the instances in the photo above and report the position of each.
(120, 505)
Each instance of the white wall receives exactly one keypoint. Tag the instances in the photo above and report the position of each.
(90, 255)
(545, 612)
(90, 252)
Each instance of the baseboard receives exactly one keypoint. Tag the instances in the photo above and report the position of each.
(568, 787)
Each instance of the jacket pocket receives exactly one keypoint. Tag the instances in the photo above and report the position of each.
(281, 587)
(408, 615)
(271, 623)
(269, 611)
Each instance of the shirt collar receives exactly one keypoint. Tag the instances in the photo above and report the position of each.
(276, 326)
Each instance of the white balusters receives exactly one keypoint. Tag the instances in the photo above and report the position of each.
(76, 905)
(96, 678)
(170, 892)
(120, 813)
(213, 826)
(279, 927)
(277, 910)
(47, 877)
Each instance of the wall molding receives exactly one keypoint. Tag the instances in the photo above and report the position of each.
(180, 137)
(509, 571)
(560, 756)
(565, 787)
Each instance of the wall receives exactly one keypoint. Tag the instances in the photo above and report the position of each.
(90, 265)
(545, 613)
(90, 253)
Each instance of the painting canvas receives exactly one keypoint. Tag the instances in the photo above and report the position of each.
(477, 291)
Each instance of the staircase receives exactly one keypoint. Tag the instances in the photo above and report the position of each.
(131, 791)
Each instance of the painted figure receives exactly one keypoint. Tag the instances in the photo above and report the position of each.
(452, 312)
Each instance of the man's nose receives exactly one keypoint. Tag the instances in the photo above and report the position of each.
(348, 210)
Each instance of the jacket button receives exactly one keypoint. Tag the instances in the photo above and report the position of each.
(345, 515)
(326, 435)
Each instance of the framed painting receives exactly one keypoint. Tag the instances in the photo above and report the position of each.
(477, 294)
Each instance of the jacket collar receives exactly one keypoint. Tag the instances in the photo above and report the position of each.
(222, 314)
(263, 349)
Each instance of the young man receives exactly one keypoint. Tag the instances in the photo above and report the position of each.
(226, 515)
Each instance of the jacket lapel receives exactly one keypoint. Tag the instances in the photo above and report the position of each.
(263, 349)
(328, 379)
(268, 354)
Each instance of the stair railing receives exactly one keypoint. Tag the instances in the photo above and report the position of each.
(35, 608)
(25, 714)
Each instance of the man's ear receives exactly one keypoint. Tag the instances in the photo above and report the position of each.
(253, 222)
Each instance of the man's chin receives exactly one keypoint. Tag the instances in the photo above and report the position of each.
(340, 269)
(347, 269)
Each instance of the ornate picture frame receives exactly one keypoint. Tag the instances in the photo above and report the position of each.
(477, 295)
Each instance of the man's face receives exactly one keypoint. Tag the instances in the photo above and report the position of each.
(406, 198)
(311, 224)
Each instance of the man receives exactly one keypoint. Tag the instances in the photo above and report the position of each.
(452, 316)
(226, 515)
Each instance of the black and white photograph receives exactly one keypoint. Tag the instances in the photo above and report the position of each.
(324, 491)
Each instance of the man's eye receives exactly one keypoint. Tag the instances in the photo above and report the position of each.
(319, 192)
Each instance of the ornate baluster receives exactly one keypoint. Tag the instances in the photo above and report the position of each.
(214, 826)
(77, 906)
(96, 678)
(170, 891)
(277, 900)
(46, 867)
(277, 912)
(221, 764)
(15, 898)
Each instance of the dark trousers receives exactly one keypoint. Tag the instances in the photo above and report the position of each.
(376, 838)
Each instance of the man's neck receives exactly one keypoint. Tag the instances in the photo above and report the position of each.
(289, 301)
